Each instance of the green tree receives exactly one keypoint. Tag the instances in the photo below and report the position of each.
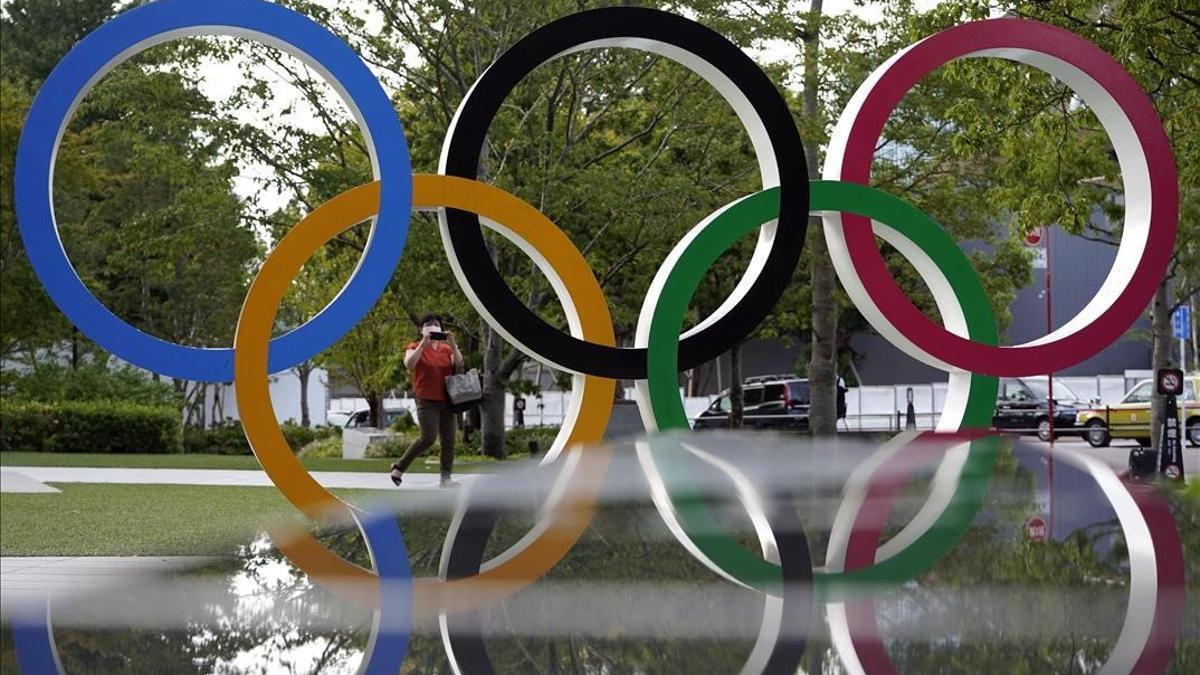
(619, 148)
(1078, 175)
(38, 32)
(143, 195)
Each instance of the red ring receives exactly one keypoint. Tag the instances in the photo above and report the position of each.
(893, 83)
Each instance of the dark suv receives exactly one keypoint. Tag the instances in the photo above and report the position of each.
(771, 402)
(1023, 406)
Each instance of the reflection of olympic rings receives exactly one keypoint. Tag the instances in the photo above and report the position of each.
(585, 423)
(764, 114)
(1147, 165)
(33, 636)
(787, 615)
(154, 23)
(968, 311)
(1153, 618)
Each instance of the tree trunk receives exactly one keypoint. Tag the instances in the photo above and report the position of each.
(201, 399)
(375, 404)
(491, 413)
(737, 399)
(822, 371)
(303, 371)
(1160, 322)
(74, 348)
(217, 413)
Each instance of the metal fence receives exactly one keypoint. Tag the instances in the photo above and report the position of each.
(879, 408)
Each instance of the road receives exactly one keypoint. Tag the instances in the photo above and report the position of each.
(1117, 455)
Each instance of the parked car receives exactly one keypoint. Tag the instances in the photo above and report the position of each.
(770, 402)
(362, 417)
(1130, 418)
(1023, 406)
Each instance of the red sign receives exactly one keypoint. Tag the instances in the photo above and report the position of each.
(1034, 238)
(1035, 529)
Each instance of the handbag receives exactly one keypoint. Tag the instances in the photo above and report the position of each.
(465, 390)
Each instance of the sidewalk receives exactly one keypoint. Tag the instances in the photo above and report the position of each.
(239, 477)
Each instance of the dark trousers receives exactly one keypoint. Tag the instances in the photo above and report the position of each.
(436, 421)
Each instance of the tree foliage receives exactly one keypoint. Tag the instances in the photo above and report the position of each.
(143, 193)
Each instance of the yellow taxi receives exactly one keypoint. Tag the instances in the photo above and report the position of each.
(1130, 418)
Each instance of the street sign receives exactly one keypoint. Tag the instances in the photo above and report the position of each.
(1170, 382)
(1181, 322)
(1034, 238)
(1035, 529)
(1170, 445)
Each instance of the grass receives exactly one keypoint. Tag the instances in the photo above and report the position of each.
(469, 463)
(115, 519)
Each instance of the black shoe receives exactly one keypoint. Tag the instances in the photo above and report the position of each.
(396, 475)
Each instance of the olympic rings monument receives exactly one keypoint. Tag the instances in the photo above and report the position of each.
(853, 215)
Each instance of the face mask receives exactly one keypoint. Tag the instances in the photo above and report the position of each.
(430, 328)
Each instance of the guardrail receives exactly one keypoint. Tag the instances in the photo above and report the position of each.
(877, 423)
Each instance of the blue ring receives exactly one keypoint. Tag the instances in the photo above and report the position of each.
(34, 643)
(160, 21)
(389, 639)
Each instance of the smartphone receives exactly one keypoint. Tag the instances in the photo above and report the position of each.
(437, 335)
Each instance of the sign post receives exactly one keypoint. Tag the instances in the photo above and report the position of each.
(1039, 239)
(1181, 326)
(1170, 458)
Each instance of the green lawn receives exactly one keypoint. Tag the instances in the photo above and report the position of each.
(113, 519)
(469, 463)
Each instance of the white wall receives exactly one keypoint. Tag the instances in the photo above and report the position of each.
(285, 397)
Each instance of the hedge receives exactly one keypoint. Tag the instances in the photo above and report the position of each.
(516, 442)
(228, 438)
(89, 426)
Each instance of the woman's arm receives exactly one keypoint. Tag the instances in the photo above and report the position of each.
(413, 356)
(456, 355)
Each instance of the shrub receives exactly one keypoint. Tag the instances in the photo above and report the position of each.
(88, 426)
(330, 446)
(393, 446)
(88, 382)
(228, 438)
(516, 441)
(297, 436)
(403, 422)
(327, 431)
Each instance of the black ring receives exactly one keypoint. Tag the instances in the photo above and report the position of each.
(463, 631)
(464, 142)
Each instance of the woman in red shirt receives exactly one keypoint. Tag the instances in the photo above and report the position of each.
(430, 360)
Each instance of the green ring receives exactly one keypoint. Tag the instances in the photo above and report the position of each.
(666, 406)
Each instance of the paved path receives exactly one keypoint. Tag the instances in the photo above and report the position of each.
(243, 477)
(15, 481)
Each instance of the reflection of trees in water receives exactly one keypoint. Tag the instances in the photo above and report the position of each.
(266, 613)
(1063, 629)
(1187, 517)
(1060, 630)
(622, 544)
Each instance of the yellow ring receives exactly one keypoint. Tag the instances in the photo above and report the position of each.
(511, 216)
